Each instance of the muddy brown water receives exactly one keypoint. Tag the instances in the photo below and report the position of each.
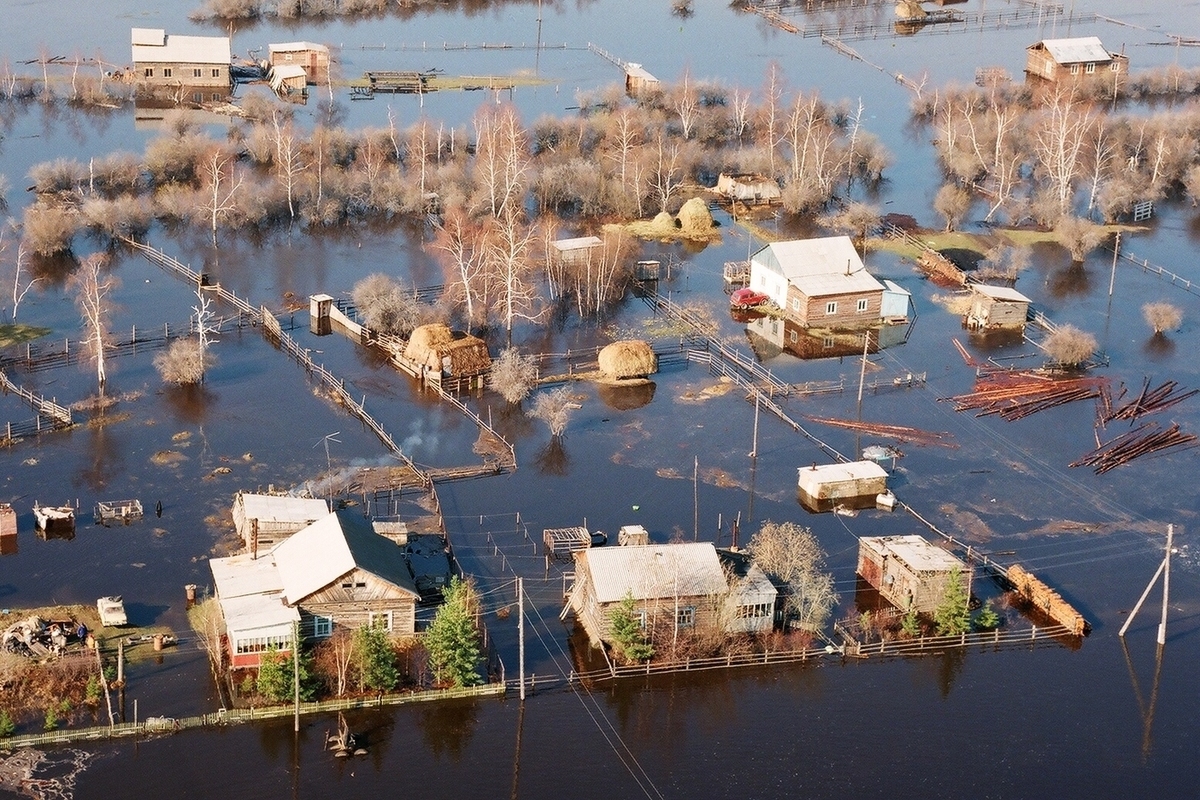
(1042, 722)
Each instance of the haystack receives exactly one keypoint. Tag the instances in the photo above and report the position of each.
(440, 349)
(694, 217)
(627, 359)
(663, 220)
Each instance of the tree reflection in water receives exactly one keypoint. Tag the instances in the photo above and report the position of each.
(448, 728)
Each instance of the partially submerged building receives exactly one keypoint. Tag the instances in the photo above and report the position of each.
(1082, 59)
(199, 65)
(748, 189)
(818, 282)
(908, 571)
(264, 520)
(682, 588)
(579, 250)
(853, 484)
(996, 308)
(288, 79)
(639, 82)
(313, 58)
(442, 354)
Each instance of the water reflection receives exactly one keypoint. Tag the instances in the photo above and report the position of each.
(626, 398)
(448, 728)
(1073, 281)
(1158, 348)
(553, 459)
(190, 404)
(102, 456)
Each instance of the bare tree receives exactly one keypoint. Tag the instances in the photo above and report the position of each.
(952, 202)
(289, 164)
(1162, 316)
(1079, 236)
(554, 408)
(1069, 347)
(461, 241)
(686, 104)
(792, 557)
(385, 306)
(513, 375)
(92, 288)
(220, 184)
(1059, 143)
(665, 174)
(21, 283)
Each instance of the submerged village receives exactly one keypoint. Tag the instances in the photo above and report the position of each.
(326, 388)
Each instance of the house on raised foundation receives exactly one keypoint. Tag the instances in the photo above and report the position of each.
(907, 570)
(996, 308)
(818, 282)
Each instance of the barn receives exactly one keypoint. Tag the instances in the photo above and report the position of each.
(579, 250)
(996, 307)
(818, 282)
(311, 57)
(907, 570)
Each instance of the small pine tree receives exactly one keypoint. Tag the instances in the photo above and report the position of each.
(987, 618)
(91, 693)
(276, 676)
(910, 623)
(7, 726)
(628, 635)
(376, 659)
(452, 639)
(953, 616)
(51, 719)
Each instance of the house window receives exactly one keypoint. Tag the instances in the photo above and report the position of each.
(831, 307)
(686, 617)
(149, 72)
(641, 616)
(862, 305)
(197, 97)
(1091, 67)
(287, 56)
(1074, 69)
(381, 619)
(1115, 66)
(827, 342)
(322, 627)
(216, 98)
(216, 72)
(795, 304)
(754, 611)
(196, 72)
(166, 72)
(261, 644)
(795, 337)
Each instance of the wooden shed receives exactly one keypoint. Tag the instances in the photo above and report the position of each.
(854, 483)
(579, 250)
(443, 353)
(313, 58)
(633, 535)
(677, 589)
(264, 520)
(639, 82)
(160, 59)
(907, 570)
(818, 282)
(996, 307)
(287, 79)
(8, 529)
(1074, 60)
(748, 188)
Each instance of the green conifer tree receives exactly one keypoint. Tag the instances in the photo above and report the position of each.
(452, 639)
(376, 659)
(952, 616)
(628, 635)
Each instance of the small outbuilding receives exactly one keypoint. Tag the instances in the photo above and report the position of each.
(313, 58)
(579, 250)
(639, 82)
(633, 535)
(996, 307)
(1082, 59)
(288, 79)
(443, 353)
(908, 571)
(854, 483)
(748, 189)
(627, 359)
(8, 529)
(264, 520)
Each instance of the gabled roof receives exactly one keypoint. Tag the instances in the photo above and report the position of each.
(818, 267)
(1075, 51)
(752, 582)
(153, 45)
(331, 547)
(282, 508)
(251, 594)
(999, 293)
(294, 47)
(654, 571)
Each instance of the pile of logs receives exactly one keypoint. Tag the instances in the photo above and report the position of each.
(1142, 440)
(1148, 402)
(899, 433)
(1016, 394)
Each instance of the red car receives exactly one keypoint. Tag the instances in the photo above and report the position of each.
(747, 298)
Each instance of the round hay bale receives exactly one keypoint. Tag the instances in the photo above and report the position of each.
(628, 359)
(426, 341)
(626, 398)
(694, 217)
(664, 220)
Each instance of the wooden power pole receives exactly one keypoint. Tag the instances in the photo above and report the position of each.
(1164, 569)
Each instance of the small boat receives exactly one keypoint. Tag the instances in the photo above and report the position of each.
(112, 611)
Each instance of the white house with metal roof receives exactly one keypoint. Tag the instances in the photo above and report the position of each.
(1080, 58)
(257, 617)
(818, 282)
(677, 589)
(164, 59)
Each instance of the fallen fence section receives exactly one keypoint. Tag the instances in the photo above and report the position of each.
(162, 725)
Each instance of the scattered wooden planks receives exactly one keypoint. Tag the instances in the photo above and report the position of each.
(1148, 402)
(1147, 438)
(898, 432)
(1015, 394)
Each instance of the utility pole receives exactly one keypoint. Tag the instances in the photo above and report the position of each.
(1112, 279)
(754, 444)
(296, 674)
(521, 633)
(1164, 568)
(696, 498)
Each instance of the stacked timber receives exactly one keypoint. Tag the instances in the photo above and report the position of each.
(941, 270)
(901, 433)
(1143, 440)
(1148, 402)
(1030, 587)
(1014, 395)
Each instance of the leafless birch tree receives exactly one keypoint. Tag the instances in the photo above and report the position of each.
(92, 287)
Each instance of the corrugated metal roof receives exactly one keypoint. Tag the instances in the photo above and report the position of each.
(284, 72)
(581, 243)
(916, 552)
(638, 71)
(1076, 51)
(753, 585)
(283, 508)
(654, 571)
(1000, 293)
(818, 267)
(835, 473)
(176, 49)
(319, 554)
(294, 47)
(259, 614)
(155, 37)
(896, 288)
(240, 576)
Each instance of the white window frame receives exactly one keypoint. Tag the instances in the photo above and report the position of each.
(641, 617)
(1090, 68)
(373, 616)
(1074, 69)
(862, 304)
(795, 304)
(828, 342)
(167, 72)
(322, 626)
(831, 307)
(686, 617)
(795, 337)
(1115, 66)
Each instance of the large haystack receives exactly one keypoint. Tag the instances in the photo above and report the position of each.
(695, 217)
(439, 349)
(627, 359)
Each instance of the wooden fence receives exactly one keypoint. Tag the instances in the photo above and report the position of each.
(162, 725)
(50, 415)
(998, 637)
(188, 274)
(1177, 281)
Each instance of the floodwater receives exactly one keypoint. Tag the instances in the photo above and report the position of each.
(1020, 723)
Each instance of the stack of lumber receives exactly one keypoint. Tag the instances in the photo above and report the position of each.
(1043, 597)
(1016, 394)
(1142, 440)
(1148, 402)
(898, 432)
